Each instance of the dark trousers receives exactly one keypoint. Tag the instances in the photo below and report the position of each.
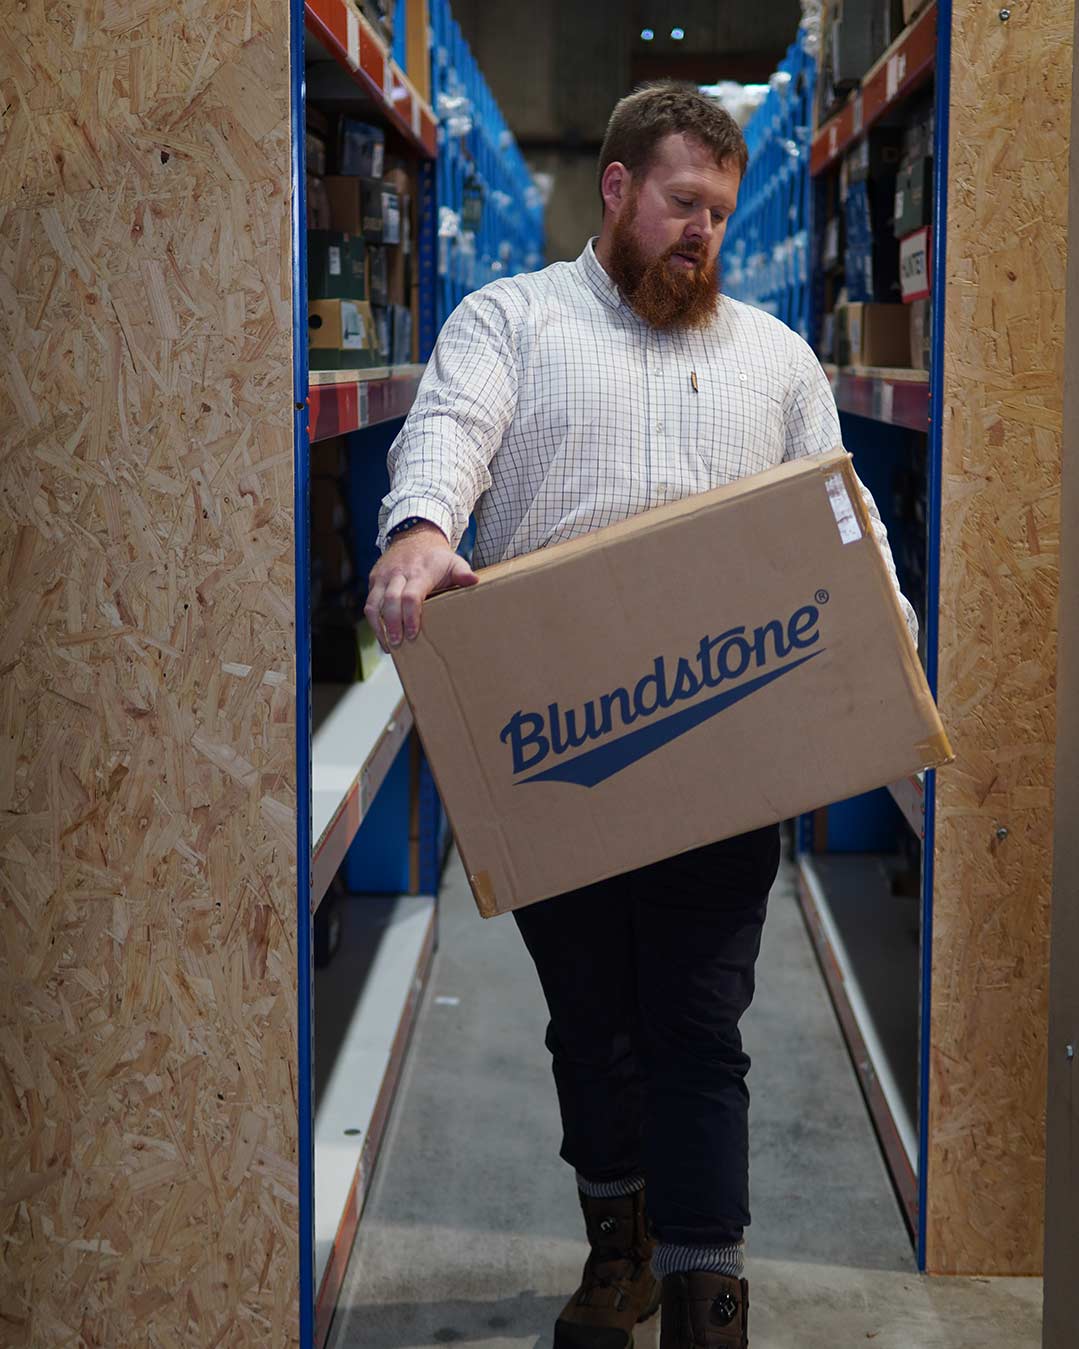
(646, 977)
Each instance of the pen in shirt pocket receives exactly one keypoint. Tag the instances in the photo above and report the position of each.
(693, 381)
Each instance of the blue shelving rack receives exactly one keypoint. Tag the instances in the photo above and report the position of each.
(489, 207)
(766, 249)
(890, 426)
(387, 832)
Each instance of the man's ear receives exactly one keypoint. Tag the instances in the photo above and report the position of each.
(615, 185)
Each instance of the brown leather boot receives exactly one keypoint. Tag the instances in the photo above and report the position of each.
(704, 1311)
(618, 1288)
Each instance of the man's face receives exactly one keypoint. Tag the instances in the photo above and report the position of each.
(666, 235)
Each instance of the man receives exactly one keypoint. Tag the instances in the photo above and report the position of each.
(557, 403)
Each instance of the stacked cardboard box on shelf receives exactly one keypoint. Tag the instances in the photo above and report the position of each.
(867, 187)
(360, 280)
(913, 217)
(854, 36)
(873, 335)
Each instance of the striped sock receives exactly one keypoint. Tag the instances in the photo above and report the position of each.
(729, 1259)
(609, 1189)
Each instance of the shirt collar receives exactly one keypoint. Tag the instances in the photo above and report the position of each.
(591, 271)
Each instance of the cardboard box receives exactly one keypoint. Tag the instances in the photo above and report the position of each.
(859, 34)
(356, 205)
(401, 338)
(913, 196)
(346, 202)
(318, 205)
(871, 267)
(914, 275)
(874, 159)
(378, 275)
(361, 149)
(876, 335)
(921, 318)
(383, 323)
(336, 266)
(391, 215)
(585, 712)
(827, 347)
(315, 151)
(341, 335)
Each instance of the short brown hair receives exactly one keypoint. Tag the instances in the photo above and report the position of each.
(665, 108)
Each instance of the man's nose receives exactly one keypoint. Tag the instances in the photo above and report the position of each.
(700, 228)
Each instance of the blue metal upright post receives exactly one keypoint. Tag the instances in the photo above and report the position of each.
(305, 1160)
(942, 95)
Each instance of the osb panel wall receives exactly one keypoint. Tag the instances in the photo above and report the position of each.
(1003, 373)
(147, 845)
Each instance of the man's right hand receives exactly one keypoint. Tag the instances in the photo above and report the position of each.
(418, 563)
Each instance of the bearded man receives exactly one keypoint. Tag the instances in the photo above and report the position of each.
(556, 403)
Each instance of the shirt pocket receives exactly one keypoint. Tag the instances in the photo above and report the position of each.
(739, 424)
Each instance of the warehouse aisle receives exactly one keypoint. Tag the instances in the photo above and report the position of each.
(472, 1234)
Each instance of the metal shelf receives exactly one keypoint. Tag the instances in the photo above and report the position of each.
(909, 796)
(392, 941)
(907, 64)
(896, 397)
(349, 38)
(893, 1117)
(340, 401)
(359, 729)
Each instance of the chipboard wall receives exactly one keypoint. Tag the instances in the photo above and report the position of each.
(974, 501)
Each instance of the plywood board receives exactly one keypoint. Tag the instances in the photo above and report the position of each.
(1003, 374)
(148, 1097)
(1062, 1139)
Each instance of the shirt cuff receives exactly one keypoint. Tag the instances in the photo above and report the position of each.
(424, 507)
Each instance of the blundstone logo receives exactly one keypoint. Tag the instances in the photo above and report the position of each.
(534, 737)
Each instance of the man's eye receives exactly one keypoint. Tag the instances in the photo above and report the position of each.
(718, 218)
(683, 201)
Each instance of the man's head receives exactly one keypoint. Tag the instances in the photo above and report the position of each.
(670, 168)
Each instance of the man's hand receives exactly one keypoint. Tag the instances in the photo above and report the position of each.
(418, 563)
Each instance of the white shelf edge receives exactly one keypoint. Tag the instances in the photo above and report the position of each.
(322, 379)
(344, 743)
(909, 795)
(364, 1062)
(903, 1124)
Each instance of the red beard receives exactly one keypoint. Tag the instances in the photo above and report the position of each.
(662, 296)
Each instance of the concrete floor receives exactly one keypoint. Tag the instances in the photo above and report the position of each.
(472, 1234)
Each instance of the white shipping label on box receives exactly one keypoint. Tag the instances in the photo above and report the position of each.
(352, 327)
(914, 265)
(854, 333)
(850, 527)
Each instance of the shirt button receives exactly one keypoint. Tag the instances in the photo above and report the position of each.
(659, 426)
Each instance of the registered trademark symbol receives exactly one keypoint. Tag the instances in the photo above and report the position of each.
(822, 597)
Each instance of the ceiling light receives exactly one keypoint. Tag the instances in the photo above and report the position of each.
(647, 34)
(678, 34)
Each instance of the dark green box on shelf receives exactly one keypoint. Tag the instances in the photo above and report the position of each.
(913, 196)
(336, 266)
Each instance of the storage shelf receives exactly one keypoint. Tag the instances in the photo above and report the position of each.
(393, 940)
(897, 397)
(905, 66)
(349, 38)
(909, 796)
(359, 729)
(341, 401)
(844, 886)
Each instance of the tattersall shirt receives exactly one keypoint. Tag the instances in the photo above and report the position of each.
(551, 408)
